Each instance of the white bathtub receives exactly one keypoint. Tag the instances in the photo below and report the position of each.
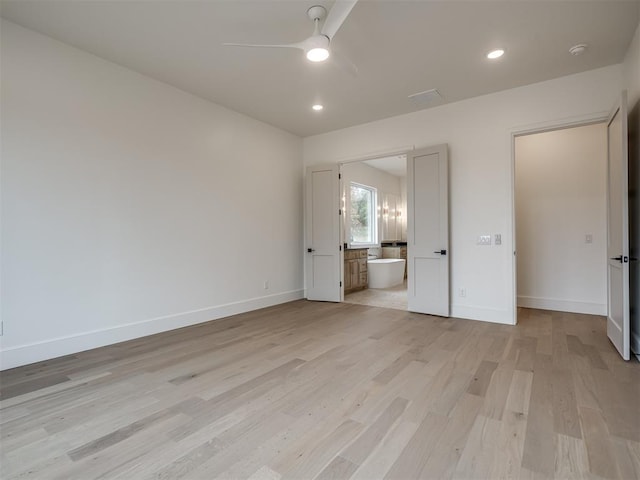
(385, 272)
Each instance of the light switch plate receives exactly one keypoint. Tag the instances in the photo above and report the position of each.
(588, 238)
(484, 240)
(498, 239)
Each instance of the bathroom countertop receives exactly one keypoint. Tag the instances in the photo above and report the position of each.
(358, 248)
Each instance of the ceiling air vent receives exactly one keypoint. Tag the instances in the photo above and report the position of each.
(425, 99)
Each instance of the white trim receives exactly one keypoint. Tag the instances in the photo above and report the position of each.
(483, 314)
(34, 352)
(517, 131)
(560, 305)
(560, 124)
(389, 152)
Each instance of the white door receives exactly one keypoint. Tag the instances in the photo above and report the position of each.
(428, 231)
(618, 229)
(324, 255)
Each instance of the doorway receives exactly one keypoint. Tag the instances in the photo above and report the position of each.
(374, 228)
(560, 219)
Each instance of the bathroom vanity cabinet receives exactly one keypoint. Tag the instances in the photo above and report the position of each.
(355, 269)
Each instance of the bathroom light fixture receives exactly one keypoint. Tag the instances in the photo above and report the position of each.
(493, 54)
(317, 107)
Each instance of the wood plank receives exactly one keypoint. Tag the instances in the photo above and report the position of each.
(497, 393)
(565, 408)
(446, 454)
(539, 449)
(571, 458)
(627, 455)
(118, 435)
(481, 379)
(385, 454)
(17, 389)
(359, 450)
(477, 458)
(599, 449)
(339, 469)
(416, 453)
(510, 446)
(313, 457)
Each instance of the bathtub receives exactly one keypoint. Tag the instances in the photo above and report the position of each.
(385, 272)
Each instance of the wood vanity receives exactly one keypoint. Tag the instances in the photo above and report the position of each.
(355, 269)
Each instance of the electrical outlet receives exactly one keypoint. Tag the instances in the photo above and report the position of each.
(462, 292)
(588, 238)
(498, 239)
(484, 240)
(266, 284)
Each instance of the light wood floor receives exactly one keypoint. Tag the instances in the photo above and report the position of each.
(319, 390)
(393, 297)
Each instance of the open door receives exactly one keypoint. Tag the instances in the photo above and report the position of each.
(428, 231)
(324, 253)
(618, 329)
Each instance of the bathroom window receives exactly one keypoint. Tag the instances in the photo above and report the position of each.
(362, 216)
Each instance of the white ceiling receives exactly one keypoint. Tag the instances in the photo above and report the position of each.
(399, 47)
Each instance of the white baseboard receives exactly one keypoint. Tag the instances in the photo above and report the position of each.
(562, 305)
(56, 347)
(483, 314)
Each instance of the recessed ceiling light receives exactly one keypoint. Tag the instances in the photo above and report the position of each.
(492, 55)
(317, 107)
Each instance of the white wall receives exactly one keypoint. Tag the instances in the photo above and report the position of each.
(631, 70)
(130, 207)
(367, 175)
(478, 132)
(560, 199)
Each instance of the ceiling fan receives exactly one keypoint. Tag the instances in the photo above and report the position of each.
(316, 47)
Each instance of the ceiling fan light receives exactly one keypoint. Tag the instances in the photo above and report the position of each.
(318, 54)
(493, 54)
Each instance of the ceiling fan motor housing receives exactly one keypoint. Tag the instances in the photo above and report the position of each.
(317, 12)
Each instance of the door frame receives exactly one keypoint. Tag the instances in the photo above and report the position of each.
(520, 131)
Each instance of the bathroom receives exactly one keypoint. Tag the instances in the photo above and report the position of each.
(374, 200)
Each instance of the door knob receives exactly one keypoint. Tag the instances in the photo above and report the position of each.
(310, 250)
(441, 252)
(621, 258)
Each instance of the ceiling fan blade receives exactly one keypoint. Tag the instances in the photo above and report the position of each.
(290, 45)
(336, 16)
(344, 63)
